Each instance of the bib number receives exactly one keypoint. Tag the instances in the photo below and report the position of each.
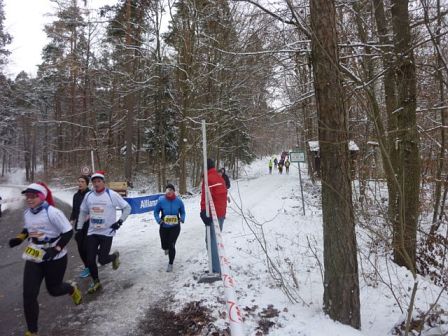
(33, 253)
(97, 218)
(171, 220)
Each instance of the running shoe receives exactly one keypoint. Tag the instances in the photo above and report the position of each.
(94, 286)
(116, 262)
(76, 295)
(169, 268)
(29, 333)
(85, 273)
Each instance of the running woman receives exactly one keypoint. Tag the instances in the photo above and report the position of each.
(169, 213)
(48, 232)
(101, 206)
(81, 234)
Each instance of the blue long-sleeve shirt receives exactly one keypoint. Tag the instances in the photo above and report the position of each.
(166, 207)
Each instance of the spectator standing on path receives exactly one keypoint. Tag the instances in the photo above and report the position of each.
(169, 213)
(222, 172)
(101, 206)
(48, 232)
(218, 190)
(287, 164)
(81, 234)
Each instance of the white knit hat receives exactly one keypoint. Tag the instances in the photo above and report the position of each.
(34, 187)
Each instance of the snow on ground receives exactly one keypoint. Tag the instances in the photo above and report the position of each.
(265, 214)
(10, 188)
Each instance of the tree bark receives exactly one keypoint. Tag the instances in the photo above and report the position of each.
(341, 284)
(407, 142)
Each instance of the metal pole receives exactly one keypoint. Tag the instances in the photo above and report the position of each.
(301, 189)
(207, 205)
(93, 161)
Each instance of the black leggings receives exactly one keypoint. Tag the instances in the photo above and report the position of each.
(81, 241)
(168, 237)
(98, 245)
(53, 273)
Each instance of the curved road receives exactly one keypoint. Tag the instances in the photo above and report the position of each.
(52, 309)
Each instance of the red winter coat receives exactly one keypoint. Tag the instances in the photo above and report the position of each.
(218, 189)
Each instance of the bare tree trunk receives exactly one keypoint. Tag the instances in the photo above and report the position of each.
(443, 112)
(389, 154)
(405, 230)
(341, 284)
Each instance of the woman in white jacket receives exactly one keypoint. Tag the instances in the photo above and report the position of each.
(47, 231)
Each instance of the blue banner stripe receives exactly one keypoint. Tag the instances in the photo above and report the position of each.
(142, 204)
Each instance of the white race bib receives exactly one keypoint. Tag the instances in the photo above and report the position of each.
(97, 217)
(33, 253)
(171, 220)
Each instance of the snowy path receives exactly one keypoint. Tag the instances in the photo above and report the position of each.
(272, 206)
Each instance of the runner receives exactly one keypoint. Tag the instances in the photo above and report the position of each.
(100, 205)
(81, 234)
(48, 232)
(169, 213)
(287, 164)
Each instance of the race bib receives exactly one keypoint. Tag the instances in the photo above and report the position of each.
(171, 220)
(97, 217)
(33, 253)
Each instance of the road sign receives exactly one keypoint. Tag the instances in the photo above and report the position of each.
(297, 156)
(85, 170)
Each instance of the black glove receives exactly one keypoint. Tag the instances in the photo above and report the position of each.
(15, 241)
(50, 253)
(207, 220)
(115, 226)
(161, 222)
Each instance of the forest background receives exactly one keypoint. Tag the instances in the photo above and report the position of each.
(132, 82)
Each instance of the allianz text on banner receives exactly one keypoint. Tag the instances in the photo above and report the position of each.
(142, 204)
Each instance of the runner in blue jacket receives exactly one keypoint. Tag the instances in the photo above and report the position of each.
(169, 213)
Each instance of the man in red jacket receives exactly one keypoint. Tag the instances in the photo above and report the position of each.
(218, 190)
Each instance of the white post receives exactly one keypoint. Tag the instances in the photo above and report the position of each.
(301, 188)
(207, 206)
(93, 161)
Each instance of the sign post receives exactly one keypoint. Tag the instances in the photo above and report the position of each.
(299, 156)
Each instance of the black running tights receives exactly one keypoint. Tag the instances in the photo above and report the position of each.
(98, 245)
(168, 238)
(53, 273)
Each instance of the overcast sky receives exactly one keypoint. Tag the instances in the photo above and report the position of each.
(25, 20)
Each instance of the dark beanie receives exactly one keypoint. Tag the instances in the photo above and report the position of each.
(170, 186)
(210, 164)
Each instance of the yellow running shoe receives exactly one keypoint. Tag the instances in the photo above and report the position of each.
(116, 262)
(76, 295)
(94, 286)
(29, 333)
